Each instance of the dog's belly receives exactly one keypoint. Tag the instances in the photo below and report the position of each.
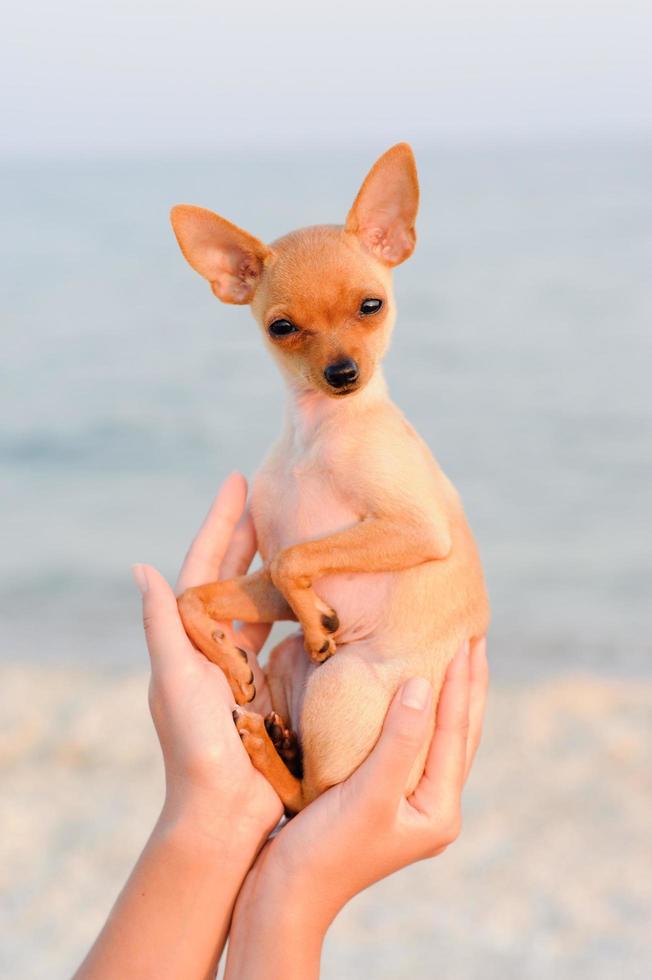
(301, 507)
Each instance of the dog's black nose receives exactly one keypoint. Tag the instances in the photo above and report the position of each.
(342, 373)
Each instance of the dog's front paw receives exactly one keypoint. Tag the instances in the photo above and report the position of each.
(319, 647)
(242, 678)
(234, 661)
(318, 638)
(330, 621)
(209, 637)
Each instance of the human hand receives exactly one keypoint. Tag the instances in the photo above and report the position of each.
(209, 779)
(172, 917)
(364, 828)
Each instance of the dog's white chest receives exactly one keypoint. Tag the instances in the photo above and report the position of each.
(293, 502)
(300, 501)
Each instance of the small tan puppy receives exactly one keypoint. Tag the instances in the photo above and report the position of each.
(363, 538)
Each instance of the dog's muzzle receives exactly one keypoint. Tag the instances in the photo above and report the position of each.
(342, 374)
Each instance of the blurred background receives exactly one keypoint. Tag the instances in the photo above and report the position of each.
(521, 353)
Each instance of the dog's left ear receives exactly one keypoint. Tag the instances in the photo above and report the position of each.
(384, 212)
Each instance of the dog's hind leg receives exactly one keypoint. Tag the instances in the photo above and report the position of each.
(343, 711)
(285, 742)
(272, 741)
(264, 756)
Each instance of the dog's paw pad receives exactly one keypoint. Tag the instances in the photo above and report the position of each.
(330, 622)
(285, 742)
(275, 727)
(321, 650)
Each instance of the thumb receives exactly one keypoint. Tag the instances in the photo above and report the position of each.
(407, 724)
(166, 638)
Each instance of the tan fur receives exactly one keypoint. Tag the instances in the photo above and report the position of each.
(355, 521)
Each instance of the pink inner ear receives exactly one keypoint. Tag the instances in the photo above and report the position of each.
(392, 244)
(231, 290)
(236, 275)
(230, 258)
(384, 212)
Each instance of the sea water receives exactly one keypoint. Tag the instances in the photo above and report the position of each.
(522, 353)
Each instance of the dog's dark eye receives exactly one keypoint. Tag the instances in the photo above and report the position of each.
(369, 306)
(281, 328)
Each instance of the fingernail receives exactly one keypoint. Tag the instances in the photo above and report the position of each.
(416, 693)
(139, 573)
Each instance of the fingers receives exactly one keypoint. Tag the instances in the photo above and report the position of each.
(384, 775)
(479, 679)
(166, 638)
(445, 767)
(241, 548)
(202, 563)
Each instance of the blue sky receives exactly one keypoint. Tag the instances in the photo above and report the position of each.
(136, 75)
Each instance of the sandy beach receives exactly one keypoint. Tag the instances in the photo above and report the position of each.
(551, 876)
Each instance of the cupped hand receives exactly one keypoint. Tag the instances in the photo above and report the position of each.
(209, 778)
(366, 827)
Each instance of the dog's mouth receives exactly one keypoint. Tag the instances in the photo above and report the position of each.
(346, 390)
(337, 390)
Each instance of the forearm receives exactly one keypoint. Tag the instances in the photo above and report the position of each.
(172, 917)
(376, 544)
(277, 932)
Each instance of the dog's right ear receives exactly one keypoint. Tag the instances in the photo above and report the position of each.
(384, 212)
(230, 258)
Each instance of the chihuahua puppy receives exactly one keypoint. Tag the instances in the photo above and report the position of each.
(363, 538)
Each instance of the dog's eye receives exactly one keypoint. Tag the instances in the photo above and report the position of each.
(281, 328)
(369, 306)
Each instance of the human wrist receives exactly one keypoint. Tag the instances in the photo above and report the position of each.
(308, 897)
(197, 821)
(272, 924)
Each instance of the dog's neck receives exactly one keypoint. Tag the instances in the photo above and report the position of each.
(309, 410)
